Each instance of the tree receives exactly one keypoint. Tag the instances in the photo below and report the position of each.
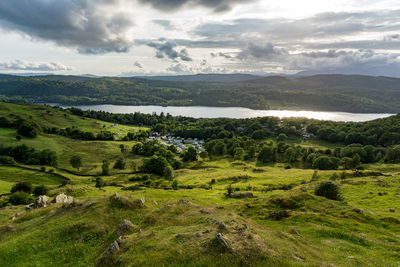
(281, 137)
(22, 187)
(229, 190)
(203, 154)
(19, 198)
(329, 190)
(105, 167)
(239, 153)
(155, 164)
(289, 155)
(168, 172)
(100, 182)
(347, 163)
(27, 130)
(123, 148)
(175, 185)
(324, 163)
(76, 161)
(120, 164)
(190, 154)
(267, 153)
(40, 190)
(219, 148)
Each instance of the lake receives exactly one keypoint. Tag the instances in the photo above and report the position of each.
(232, 112)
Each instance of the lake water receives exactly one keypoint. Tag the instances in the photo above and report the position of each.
(233, 112)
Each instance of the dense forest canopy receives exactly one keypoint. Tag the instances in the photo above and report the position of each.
(349, 93)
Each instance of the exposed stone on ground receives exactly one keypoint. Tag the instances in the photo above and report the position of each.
(41, 202)
(124, 227)
(113, 248)
(221, 225)
(29, 206)
(184, 202)
(358, 211)
(278, 215)
(221, 240)
(391, 210)
(115, 196)
(63, 198)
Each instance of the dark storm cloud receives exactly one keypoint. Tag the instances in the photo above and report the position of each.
(215, 5)
(70, 23)
(167, 49)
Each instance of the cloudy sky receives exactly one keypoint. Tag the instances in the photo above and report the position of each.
(151, 37)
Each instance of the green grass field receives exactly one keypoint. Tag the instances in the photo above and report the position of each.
(361, 230)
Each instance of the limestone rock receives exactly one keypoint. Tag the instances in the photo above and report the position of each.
(124, 227)
(41, 202)
(113, 248)
(116, 196)
(184, 202)
(63, 198)
(221, 240)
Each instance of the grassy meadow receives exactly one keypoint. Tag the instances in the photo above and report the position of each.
(361, 230)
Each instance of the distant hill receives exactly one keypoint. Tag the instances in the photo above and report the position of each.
(347, 93)
(223, 78)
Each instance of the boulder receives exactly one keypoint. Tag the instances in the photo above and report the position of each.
(184, 202)
(63, 198)
(113, 248)
(29, 206)
(124, 227)
(116, 196)
(41, 202)
(221, 240)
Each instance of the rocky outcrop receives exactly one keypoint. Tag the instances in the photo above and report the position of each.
(63, 198)
(124, 227)
(41, 202)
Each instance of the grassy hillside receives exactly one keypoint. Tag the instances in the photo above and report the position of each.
(351, 93)
(284, 224)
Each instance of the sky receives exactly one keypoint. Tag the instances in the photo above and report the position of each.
(176, 37)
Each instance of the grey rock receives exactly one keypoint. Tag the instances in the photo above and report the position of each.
(29, 206)
(113, 248)
(63, 198)
(115, 196)
(41, 202)
(222, 226)
(124, 227)
(221, 240)
(184, 202)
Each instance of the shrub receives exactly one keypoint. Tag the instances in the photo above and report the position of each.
(22, 187)
(100, 182)
(328, 190)
(7, 160)
(168, 172)
(155, 165)
(175, 184)
(27, 130)
(120, 164)
(325, 163)
(40, 190)
(19, 198)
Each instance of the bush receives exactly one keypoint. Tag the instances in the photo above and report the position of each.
(27, 130)
(40, 190)
(19, 198)
(120, 164)
(325, 163)
(328, 190)
(168, 172)
(100, 182)
(22, 187)
(155, 165)
(7, 160)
